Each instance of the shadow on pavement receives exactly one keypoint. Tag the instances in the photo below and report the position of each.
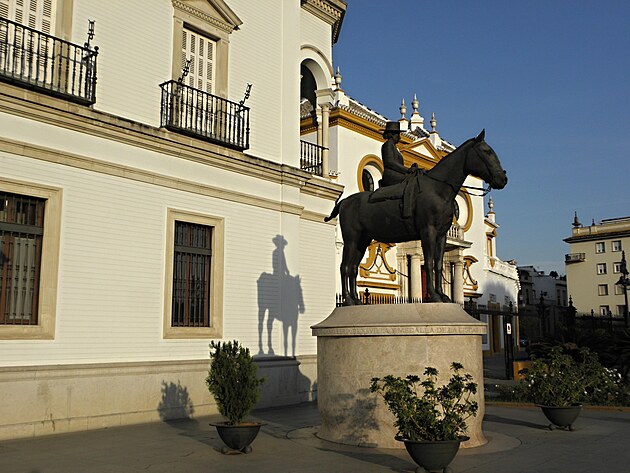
(506, 420)
(383, 459)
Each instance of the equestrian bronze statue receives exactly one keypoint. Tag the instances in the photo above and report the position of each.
(419, 208)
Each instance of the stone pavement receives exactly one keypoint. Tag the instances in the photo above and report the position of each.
(519, 442)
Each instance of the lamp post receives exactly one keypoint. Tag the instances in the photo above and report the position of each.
(624, 282)
(542, 309)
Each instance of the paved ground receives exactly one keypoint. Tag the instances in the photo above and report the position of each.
(519, 442)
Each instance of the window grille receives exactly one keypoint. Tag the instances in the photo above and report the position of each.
(191, 275)
(21, 237)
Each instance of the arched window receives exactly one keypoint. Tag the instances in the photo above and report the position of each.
(367, 180)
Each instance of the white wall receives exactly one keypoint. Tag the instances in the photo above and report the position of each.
(135, 54)
(135, 41)
(111, 278)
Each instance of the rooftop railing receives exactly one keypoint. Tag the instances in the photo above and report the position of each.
(42, 62)
(197, 113)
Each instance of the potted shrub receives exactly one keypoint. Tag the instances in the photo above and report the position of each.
(559, 381)
(233, 381)
(431, 419)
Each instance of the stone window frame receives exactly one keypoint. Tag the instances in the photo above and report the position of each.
(216, 275)
(372, 164)
(210, 24)
(49, 266)
(602, 289)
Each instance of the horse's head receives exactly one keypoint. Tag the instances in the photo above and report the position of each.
(485, 163)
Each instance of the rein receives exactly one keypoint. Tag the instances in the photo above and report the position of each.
(484, 190)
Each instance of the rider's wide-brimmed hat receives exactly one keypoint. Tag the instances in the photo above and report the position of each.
(279, 240)
(392, 127)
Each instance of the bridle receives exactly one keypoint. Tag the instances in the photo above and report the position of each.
(484, 190)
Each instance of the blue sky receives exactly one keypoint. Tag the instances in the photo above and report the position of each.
(548, 80)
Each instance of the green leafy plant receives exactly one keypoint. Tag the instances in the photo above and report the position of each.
(426, 411)
(565, 375)
(233, 380)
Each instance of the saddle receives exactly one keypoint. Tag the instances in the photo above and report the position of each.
(403, 191)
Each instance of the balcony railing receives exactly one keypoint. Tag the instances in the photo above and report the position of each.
(311, 157)
(202, 115)
(36, 60)
(574, 257)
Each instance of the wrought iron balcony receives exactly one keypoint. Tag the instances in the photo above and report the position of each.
(39, 61)
(311, 157)
(197, 113)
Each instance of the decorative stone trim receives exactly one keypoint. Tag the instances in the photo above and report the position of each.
(227, 27)
(399, 319)
(128, 172)
(53, 111)
(330, 11)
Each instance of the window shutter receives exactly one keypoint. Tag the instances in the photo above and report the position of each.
(37, 14)
(200, 50)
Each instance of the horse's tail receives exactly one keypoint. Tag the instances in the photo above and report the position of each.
(335, 210)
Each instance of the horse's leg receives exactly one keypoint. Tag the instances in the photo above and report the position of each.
(270, 317)
(356, 261)
(439, 267)
(285, 334)
(352, 254)
(429, 250)
(344, 270)
(261, 319)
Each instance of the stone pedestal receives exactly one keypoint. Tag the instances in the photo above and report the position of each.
(357, 343)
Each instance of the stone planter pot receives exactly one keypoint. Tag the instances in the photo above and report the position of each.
(432, 456)
(562, 417)
(238, 437)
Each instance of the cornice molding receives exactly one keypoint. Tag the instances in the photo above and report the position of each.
(346, 119)
(86, 163)
(330, 11)
(57, 112)
(228, 27)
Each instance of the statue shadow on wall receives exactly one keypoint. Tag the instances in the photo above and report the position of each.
(279, 298)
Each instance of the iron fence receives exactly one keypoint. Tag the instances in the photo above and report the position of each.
(197, 113)
(369, 298)
(47, 64)
(311, 157)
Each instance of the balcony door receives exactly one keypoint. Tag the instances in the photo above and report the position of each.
(200, 50)
(36, 14)
(199, 109)
(24, 52)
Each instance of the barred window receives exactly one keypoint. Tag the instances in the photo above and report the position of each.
(21, 239)
(191, 275)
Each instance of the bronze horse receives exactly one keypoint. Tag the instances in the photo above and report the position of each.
(425, 213)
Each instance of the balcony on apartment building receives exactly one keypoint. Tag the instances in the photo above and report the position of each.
(574, 258)
(200, 114)
(39, 61)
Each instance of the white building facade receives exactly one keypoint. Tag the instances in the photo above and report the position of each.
(152, 201)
